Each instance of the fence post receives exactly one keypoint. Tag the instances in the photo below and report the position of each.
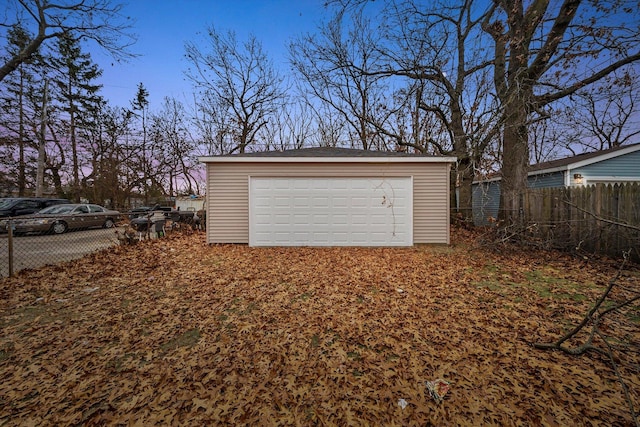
(10, 246)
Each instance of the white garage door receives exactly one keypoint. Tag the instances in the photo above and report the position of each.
(330, 211)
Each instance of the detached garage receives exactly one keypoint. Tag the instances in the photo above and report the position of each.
(327, 197)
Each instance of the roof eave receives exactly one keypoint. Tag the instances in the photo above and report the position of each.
(607, 156)
(276, 159)
(595, 159)
(549, 170)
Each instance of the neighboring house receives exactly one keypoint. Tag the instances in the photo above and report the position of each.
(327, 197)
(615, 165)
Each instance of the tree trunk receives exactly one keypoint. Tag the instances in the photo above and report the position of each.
(74, 157)
(22, 177)
(57, 180)
(465, 188)
(464, 169)
(41, 145)
(515, 161)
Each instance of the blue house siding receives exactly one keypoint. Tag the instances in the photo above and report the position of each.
(486, 195)
(486, 202)
(623, 166)
(547, 180)
(618, 164)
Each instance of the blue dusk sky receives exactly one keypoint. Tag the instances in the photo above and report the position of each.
(163, 27)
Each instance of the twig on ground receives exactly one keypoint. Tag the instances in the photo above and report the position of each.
(594, 317)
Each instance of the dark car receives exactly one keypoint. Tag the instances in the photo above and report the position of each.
(60, 218)
(16, 206)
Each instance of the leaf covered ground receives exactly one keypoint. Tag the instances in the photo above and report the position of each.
(176, 332)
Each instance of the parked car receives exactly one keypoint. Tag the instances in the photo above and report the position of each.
(60, 218)
(17, 206)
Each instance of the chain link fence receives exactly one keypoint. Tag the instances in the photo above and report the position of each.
(34, 242)
(34, 250)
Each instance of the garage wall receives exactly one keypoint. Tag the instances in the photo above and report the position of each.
(228, 194)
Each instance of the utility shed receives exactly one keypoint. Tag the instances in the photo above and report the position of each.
(327, 197)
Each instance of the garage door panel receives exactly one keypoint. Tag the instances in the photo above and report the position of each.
(300, 201)
(340, 220)
(340, 202)
(359, 202)
(330, 211)
(320, 200)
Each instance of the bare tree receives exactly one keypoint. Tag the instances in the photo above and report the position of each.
(333, 65)
(607, 113)
(98, 20)
(602, 116)
(433, 51)
(329, 127)
(240, 80)
(172, 149)
(544, 52)
(213, 124)
(552, 138)
(291, 128)
(104, 182)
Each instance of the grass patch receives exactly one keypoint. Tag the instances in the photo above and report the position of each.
(438, 249)
(212, 261)
(187, 339)
(392, 357)
(252, 306)
(543, 282)
(539, 276)
(302, 297)
(491, 285)
(315, 341)
(43, 314)
(6, 352)
(119, 363)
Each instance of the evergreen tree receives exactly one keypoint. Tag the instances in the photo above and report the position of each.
(19, 111)
(139, 107)
(77, 94)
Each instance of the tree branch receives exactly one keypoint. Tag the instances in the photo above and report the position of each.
(625, 389)
(599, 218)
(589, 317)
(545, 99)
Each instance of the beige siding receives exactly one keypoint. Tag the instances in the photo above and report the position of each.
(228, 194)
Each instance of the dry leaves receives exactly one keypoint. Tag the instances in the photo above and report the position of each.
(174, 331)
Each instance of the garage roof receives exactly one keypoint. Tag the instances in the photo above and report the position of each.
(328, 154)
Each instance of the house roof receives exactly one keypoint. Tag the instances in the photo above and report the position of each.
(573, 162)
(581, 160)
(326, 154)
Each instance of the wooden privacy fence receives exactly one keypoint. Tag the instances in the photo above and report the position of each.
(600, 218)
